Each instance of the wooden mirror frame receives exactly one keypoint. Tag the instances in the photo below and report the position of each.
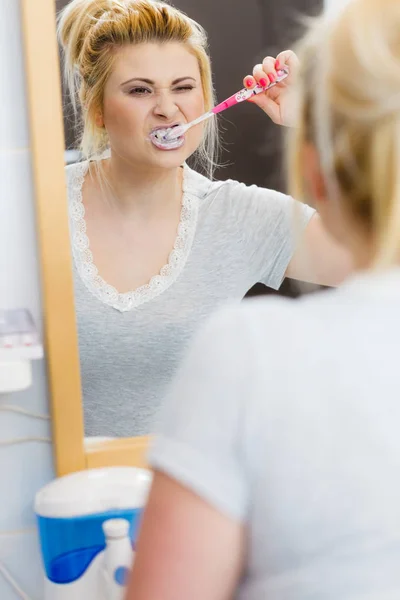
(43, 85)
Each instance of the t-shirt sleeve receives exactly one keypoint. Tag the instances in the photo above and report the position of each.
(199, 439)
(268, 225)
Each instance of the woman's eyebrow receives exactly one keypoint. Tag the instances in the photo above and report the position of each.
(150, 82)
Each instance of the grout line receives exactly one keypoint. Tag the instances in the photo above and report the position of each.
(11, 581)
(12, 151)
(23, 411)
(24, 440)
(28, 530)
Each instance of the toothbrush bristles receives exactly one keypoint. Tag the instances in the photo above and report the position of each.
(168, 136)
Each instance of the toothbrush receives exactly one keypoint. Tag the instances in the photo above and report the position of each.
(244, 94)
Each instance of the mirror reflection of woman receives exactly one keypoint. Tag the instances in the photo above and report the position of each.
(277, 461)
(158, 247)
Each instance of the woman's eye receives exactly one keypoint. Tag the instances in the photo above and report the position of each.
(184, 88)
(139, 91)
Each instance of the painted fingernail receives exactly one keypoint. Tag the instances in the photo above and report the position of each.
(249, 82)
(263, 82)
(271, 77)
(278, 65)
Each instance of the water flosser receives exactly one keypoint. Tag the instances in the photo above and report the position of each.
(118, 558)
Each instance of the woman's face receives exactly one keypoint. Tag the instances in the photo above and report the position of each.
(152, 86)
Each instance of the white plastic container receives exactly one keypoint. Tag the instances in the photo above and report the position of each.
(88, 523)
(19, 345)
(118, 557)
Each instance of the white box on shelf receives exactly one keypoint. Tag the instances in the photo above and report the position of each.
(19, 344)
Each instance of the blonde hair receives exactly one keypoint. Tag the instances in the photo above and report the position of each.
(89, 31)
(349, 108)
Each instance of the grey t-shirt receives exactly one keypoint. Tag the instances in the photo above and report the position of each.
(230, 237)
(285, 415)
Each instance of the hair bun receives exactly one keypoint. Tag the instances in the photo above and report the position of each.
(75, 23)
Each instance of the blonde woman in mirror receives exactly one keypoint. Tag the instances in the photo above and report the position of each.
(158, 247)
(277, 462)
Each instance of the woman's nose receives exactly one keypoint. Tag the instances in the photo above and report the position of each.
(166, 106)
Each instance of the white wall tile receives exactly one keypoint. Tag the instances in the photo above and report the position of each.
(34, 401)
(24, 467)
(13, 115)
(19, 274)
(21, 556)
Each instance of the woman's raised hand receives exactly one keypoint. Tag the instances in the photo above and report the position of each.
(278, 101)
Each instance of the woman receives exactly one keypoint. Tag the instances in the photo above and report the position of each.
(158, 247)
(277, 464)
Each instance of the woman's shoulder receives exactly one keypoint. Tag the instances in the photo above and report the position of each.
(198, 185)
(227, 188)
(74, 177)
(236, 198)
(276, 327)
(286, 329)
(75, 169)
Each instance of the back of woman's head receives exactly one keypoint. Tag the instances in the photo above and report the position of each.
(350, 110)
(90, 31)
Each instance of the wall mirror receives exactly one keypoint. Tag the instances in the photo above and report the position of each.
(73, 373)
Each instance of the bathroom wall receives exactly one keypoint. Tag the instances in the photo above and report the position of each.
(24, 467)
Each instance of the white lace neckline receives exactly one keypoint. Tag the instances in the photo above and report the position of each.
(83, 256)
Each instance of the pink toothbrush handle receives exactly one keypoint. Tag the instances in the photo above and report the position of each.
(246, 94)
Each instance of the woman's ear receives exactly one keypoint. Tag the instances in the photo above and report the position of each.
(99, 120)
(313, 175)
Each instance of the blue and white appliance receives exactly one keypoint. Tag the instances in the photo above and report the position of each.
(88, 523)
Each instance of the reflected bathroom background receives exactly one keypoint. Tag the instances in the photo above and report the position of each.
(240, 34)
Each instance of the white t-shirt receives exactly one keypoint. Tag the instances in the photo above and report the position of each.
(230, 237)
(286, 416)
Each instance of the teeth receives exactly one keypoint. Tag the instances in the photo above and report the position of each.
(161, 134)
(160, 138)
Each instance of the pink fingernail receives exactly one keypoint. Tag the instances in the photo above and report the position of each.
(263, 82)
(278, 65)
(249, 82)
(271, 77)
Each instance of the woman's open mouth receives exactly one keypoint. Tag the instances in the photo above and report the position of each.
(158, 139)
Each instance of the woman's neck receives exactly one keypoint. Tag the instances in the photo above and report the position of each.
(142, 191)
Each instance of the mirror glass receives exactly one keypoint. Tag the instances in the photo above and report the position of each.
(136, 318)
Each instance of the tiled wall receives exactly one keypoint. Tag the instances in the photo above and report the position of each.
(24, 467)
